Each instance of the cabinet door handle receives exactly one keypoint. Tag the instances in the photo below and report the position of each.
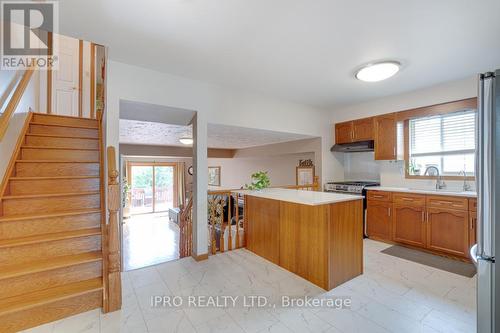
(423, 216)
(378, 196)
(427, 217)
(407, 199)
(389, 211)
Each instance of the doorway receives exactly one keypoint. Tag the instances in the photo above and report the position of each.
(150, 236)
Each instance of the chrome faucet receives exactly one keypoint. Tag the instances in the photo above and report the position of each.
(439, 180)
(466, 187)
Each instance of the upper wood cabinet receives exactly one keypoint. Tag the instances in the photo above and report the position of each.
(354, 131)
(362, 129)
(385, 137)
(344, 132)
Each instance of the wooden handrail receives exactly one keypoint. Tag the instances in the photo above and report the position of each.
(113, 301)
(14, 101)
(186, 229)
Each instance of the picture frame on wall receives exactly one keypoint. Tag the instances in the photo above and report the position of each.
(214, 175)
(304, 175)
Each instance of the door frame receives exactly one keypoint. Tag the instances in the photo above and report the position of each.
(130, 164)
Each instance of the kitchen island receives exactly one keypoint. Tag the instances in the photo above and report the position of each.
(316, 235)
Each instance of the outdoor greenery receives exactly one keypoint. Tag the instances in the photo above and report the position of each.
(143, 176)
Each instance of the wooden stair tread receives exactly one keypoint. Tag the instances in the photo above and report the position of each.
(50, 115)
(40, 216)
(48, 195)
(49, 237)
(65, 125)
(53, 177)
(50, 264)
(61, 136)
(47, 296)
(54, 161)
(58, 148)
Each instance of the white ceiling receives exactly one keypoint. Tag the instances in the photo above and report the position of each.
(219, 136)
(300, 50)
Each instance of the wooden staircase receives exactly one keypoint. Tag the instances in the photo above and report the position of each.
(52, 222)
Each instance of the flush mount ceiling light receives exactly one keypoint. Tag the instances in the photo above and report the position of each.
(378, 71)
(186, 140)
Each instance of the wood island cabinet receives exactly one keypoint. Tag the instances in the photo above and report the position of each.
(323, 243)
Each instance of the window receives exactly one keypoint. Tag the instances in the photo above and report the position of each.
(446, 141)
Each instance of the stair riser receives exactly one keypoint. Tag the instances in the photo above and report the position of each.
(50, 312)
(56, 169)
(46, 186)
(46, 141)
(42, 226)
(59, 155)
(44, 119)
(65, 131)
(42, 251)
(50, 279)
(50, 204)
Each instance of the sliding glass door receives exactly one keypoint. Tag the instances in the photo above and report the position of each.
(153, 187)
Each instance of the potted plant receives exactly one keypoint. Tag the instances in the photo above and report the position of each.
(260, 180)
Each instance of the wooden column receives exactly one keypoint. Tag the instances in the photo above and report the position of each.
(114, 299)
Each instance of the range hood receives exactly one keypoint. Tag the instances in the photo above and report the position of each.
(354, 147)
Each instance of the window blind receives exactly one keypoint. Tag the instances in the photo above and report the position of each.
(449, 134)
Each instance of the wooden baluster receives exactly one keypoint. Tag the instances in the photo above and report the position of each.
(229, 224)
(237, 217)
(221, 231)
(114, 299)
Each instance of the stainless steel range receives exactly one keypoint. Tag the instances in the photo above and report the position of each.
(352, 187)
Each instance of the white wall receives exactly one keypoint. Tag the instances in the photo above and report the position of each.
(220, 105)
(235, 172)
(214, 104)
(30, 100)
(392, 173)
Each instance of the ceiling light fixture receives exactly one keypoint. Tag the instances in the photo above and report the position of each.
(378, 71)
(186, 140)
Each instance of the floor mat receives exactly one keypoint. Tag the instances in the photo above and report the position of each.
(432, 260)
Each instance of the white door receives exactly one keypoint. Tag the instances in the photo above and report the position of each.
(65, 78)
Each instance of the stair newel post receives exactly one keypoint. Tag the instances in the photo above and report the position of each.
(114, 279)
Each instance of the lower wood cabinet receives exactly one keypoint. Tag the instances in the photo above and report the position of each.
(379, 221)
(409, 225)
(446, 225)
(447, 231)
(472, 228)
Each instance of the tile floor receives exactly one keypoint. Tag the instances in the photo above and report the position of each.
(149, 239)
(393, 295)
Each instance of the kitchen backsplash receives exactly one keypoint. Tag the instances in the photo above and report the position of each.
(362, 166)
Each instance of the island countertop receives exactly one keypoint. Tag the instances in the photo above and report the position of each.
(310, 198)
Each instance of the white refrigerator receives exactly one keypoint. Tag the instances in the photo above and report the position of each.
(488, 189)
